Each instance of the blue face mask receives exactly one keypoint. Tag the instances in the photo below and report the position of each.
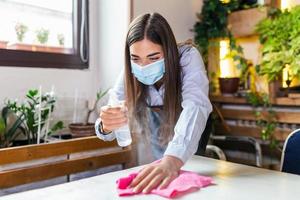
(149, 74)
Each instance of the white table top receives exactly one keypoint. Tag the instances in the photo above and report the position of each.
(233, 181)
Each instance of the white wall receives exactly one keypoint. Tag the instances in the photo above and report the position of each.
(108, 26)
(181, 14)
(113, 17)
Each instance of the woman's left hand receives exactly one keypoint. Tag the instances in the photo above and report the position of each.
(157, 175)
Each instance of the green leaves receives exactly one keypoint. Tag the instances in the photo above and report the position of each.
(236, 53)
(27, 115)
(8, 132)
(101, 94)
(56, 127)
(12, 131)
(2, 126)
(280, 36)
(265, 116)
(212, 24)
(32, 93)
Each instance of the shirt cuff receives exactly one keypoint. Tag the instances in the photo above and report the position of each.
(179, 151)
(106, 137)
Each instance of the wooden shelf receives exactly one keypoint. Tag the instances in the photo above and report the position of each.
(279, 101)
(227, 99)
(279, 134)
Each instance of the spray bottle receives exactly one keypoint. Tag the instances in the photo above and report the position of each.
(123, 133)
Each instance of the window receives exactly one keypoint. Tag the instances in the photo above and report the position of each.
(37, 33)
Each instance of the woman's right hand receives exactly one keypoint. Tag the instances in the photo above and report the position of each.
(113, 117)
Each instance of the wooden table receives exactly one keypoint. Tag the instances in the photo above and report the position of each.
(233, 181)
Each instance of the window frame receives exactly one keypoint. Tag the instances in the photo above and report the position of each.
(21, 58)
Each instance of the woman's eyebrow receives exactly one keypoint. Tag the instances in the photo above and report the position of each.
(153, 54)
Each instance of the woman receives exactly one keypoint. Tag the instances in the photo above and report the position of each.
(165, 88)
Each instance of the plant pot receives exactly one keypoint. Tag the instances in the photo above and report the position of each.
(3, 44)
(274, 89)
(229, 85)
(40, 48)
(242, 23)
(82, 130)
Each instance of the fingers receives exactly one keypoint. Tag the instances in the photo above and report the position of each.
(157, 175)
(141, 176)
(166, 182)
(114, 124)
(159, 181)
(154, 175)
(112, 110)
(153, 183)
(113, 117)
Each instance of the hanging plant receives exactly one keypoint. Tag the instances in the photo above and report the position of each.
(212, 21)
(212, 25)
(265, 116)
(236, 53)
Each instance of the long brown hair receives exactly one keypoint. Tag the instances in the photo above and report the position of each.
(155, 28)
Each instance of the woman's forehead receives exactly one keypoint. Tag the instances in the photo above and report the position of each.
(144, 48)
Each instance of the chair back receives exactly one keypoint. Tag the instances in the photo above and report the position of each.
(290, 159)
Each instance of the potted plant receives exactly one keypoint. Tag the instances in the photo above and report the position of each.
(280, 38)
(213, 22)
(11, 126)
(61, 39)
(42, 36)
(21, 29)
(211, 27)
(229, 85)
(86, 128)
(61, 48)
(27, 113)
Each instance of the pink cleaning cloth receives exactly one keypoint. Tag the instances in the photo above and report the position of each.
(186, 182)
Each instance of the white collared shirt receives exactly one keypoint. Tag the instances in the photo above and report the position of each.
(195, 103)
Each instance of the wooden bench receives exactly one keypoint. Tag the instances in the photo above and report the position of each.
(23, 174)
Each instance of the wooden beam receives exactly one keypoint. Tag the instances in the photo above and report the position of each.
(281, 117)
(286, 101)
(255, 132)
(227, 99)
(279, 101)
(15, 177)
(46, 150)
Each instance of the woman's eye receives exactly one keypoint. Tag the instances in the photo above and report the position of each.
(154, 59)
(134, 59)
